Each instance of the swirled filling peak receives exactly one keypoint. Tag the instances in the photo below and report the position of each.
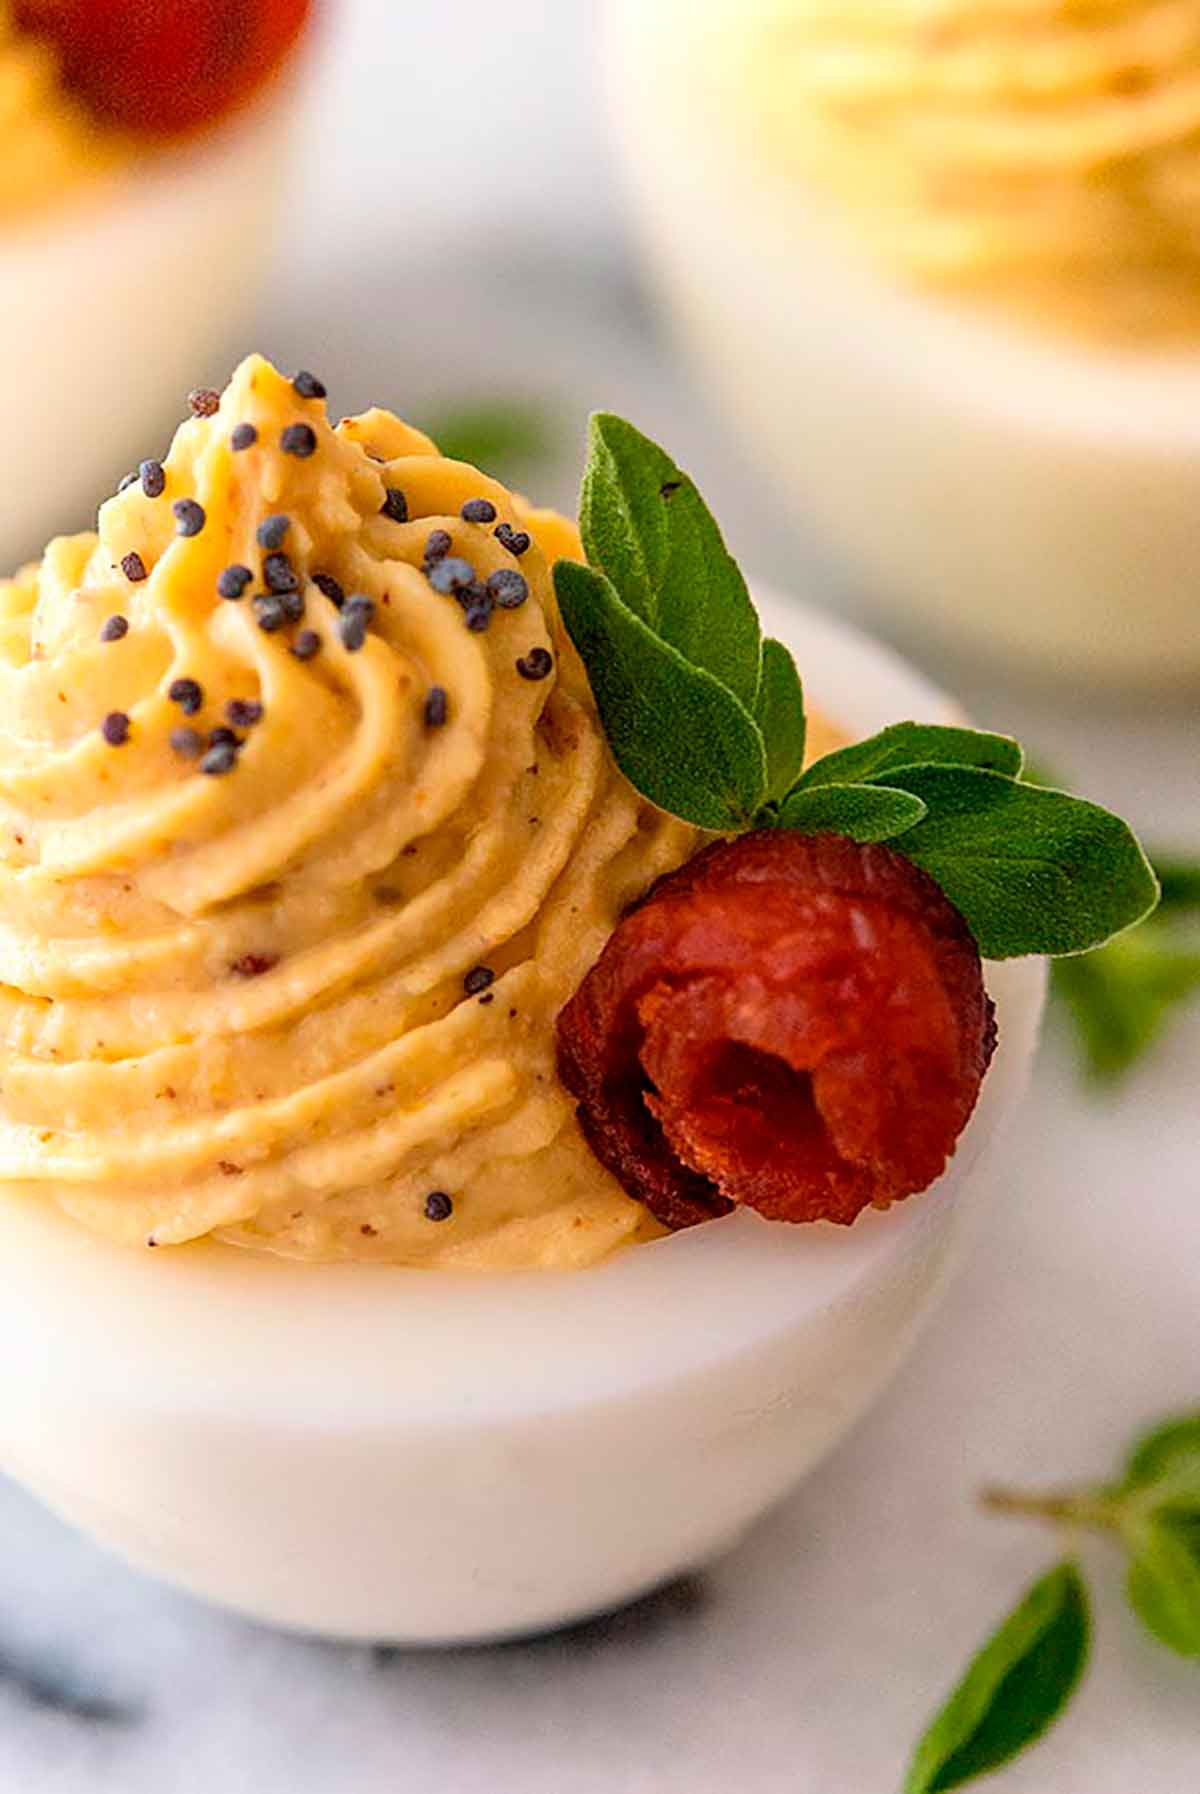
(307, 832)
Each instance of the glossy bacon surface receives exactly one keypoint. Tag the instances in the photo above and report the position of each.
(795, 1022)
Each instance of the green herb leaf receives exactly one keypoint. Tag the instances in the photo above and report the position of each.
(1031, 870)
(1165, 1464)
(646, 527)
(863, 812)
(1164, 1582)
(1180, 881)
(915, 744)
(677, 734)
(496, 435)
(1122, 997)
(1013, 1690)
(779, 713)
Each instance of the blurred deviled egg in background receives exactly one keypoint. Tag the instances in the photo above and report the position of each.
(942, 263)
(142, 148)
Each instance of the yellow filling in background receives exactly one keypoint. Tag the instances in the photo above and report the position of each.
(49, 146)
(1037, 155)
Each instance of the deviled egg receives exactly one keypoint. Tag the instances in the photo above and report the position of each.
(468, 1073)
(940, 263)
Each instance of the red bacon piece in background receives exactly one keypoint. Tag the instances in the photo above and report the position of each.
(795, 1022)
(164, 67)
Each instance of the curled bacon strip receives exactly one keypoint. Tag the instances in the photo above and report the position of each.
(795, 1022)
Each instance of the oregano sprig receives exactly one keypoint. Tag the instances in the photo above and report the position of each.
(707, 721)
(1024, 1675)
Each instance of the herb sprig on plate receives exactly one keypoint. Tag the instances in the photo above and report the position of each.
(1023, 1677)
(706, 720)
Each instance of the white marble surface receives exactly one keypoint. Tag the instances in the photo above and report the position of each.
(467, 233)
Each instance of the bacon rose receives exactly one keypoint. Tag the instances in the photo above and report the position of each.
(796, 1022)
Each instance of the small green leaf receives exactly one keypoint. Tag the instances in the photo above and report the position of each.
(1165, 1464)
(622, 517)
(1016, 1686)
(1180, 881)
(863, 812)
(915, 744)
(679, 736)
(1122, 997)
(779, 713)
(1160, 1495)
(646, 527)
(494, 434)
(1031, 870)
(1164, 1583)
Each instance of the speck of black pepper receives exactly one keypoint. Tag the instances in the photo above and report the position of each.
(188, 694)
(223, 737)
(279, 575)
(272, 530)
(153, 476)
(537, 664)
(394, 505)
(126, 481)
(233, 580)
(299, 440)
(242, 436)
(354, 621)
(478, 510)
(133, 567)
(438, 544)
(219, 760)
(243, 713)
(438, 1206)
(189, 517)
(450, 574)
(478, 979)
(308, 386)
(509, 588)
(325, 582)
(269, 612)
(115, 728)
(203, 401)
(515, 540)
(437, 707)
(306, 645)
(187, 743)
(114, 628)
(489, 996)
